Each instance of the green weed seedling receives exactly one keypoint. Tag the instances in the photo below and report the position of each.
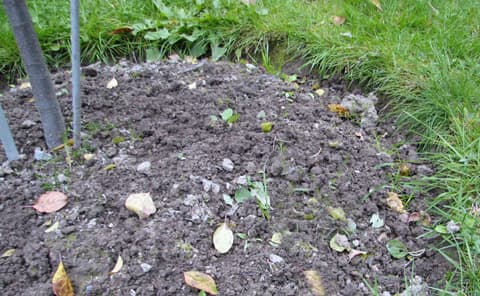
(229, 116)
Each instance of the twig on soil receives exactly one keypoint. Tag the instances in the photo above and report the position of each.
(193, 68)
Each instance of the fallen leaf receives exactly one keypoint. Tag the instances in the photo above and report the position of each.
(8, 253)
(339, 20)
(25, 85)
(377, 4)
(61, 284)
(276, 239)
(117, 266)
(340, 110)
(110, 167)
(122, 30)
(320, 92)
(200, 281)
(339, 243)
(266, 127)
(404, 170)
(337, 213)
(314, 280)
(376, 221)
(112, 83)
(354, 253)
(52, 228)
(141, 204)
(223, 238)
(395, 203)
(50, 202)
(88, 156)
(397, 249)
(192, 85)
(61, 146)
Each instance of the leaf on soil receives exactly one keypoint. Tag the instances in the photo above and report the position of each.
(117, 266)
(61, 284)
(62, 146)
(52, 228)
(110, 167)
(88, 156)
(395, 203)
(192, 85)
(354, 253)
(261, 115)
(314, 280)
(338, 20)
(276, 239)
(223, 238)
(200, 281)
(376, 221)
(112, 83)
(337, 213)
(397, 249)
(242, 194)
(226, 114)
(8, 253)
(320, 92)
(228, 199)
(50, 202)
(25, 85)
(339, 109)
(377, 4)
(141, 204)
(404, 170)
(266, 126)
(339, 243)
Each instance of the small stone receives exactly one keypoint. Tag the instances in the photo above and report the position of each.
(215, 188)
(39, 154)
(227, 164)
(241, 180)
(452, 227)
(275, 259)
(145, 267)
(62, 178)
(28, 123)
(144, 167)
(207, 185)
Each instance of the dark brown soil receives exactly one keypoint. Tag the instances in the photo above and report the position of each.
(312, 159)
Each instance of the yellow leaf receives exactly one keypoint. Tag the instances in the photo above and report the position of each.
(61, 146)
(117, 266)
(340, 110)
(110, 167)
(314, 280)
(200, 281)
(395, 203)
(61, 284)
(377, 4)
(8, 253)
(338, 20)
(320, 92)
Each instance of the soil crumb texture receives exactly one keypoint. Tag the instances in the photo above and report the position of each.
(299, 170)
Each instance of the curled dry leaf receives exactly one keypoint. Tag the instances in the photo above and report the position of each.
(61, 284)
(314, 280)
(354, 253)
(141, 204)
(117, 266)
(200, 281)
(50, 202)
(223, 238)
(395, 203)
(112, 83)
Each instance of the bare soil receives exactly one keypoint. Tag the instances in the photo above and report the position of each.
(161, 113)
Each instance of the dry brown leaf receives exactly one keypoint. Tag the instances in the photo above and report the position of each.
(314, 281)
(339, 109)
(200, 281)
(117, 266)
(395, 203)
(338, 20)
(50, 202)
(121, 30)
(377, 4)
(61, 284)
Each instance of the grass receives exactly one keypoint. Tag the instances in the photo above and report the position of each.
(423, 56)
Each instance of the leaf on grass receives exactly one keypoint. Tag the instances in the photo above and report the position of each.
(200, 281)
(117, 266)
(338, 20)
(314, 280)
(377, 4)
(50, 202)
(52, 228)
(223, 238)
(122, 30)
(337, 213)
(376, 221)
(61, 284)
(112, 83)
(8, 253)
(397, 249)
(340, 110)
(339, 243)
(141, 204)
(395, 203)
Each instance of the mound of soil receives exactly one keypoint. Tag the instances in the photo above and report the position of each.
(161, 131)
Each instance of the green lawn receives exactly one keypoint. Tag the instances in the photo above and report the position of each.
(424, 56)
